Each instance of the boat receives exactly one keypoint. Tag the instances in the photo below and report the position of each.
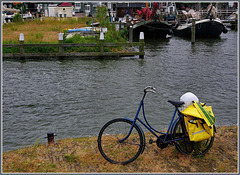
(85, 31)
(154, 29)
(82, 30)
(210, 28)
(151, 23)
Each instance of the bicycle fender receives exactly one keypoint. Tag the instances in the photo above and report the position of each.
(144, 141)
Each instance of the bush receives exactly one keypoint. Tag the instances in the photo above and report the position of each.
(17, 18)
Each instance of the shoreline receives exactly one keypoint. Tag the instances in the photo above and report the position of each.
(82, 155)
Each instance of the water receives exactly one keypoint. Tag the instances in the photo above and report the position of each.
(75, 98)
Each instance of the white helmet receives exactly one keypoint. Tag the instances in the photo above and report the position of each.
(188, 98)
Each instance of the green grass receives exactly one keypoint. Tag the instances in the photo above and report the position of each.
(37, 32)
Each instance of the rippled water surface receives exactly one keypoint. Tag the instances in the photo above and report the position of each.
(75, 98)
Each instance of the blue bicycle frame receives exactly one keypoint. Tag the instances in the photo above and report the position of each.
(149, 127)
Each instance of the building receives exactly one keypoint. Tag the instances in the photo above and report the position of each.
(62, 10)
(85, 8)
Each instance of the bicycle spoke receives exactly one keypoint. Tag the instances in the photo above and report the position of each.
(110, 144)
(185, 146)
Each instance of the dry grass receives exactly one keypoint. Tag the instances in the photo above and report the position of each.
(41, 31)
(82, 155)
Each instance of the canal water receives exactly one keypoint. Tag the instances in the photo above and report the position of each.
(75, 98)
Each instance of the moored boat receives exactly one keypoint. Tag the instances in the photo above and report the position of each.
(210, 26)
(154, 29)
(203, 28)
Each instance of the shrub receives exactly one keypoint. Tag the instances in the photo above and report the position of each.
(17, 18)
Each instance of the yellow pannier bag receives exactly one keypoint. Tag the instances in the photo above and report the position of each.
(197, 129)
(199, 121)
(199, 110)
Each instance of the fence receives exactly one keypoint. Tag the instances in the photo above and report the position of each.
(61, 53)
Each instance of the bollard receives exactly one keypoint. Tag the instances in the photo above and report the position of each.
(50, 137)
(193, 31)
(141, 47)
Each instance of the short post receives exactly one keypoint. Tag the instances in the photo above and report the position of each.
(193, 31)
(101, 43)
(60, 41)
(130, 33)
(50, 137)
(141, 47)
(120, 25)
(21, 41)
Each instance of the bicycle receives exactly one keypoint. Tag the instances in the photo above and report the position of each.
(122, 140)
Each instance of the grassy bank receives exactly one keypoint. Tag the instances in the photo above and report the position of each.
(47, 30)
(82, 155)
(37, 31)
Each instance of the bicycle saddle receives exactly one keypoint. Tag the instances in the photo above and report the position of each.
(176, 103)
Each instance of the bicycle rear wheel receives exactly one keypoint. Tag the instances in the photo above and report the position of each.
(110, 146)
(185, 146)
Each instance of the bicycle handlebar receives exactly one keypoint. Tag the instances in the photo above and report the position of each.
(150, 89)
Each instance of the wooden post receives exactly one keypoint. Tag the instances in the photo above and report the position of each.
(21, 40)
(120, 25)
(141, 47)
(130, 33)
(101, 43)
(60, 41)
(50, 137)
(193, 31)
(60, 49)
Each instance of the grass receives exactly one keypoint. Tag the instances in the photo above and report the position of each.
(82, 155)
(47, 30)
(41, 31)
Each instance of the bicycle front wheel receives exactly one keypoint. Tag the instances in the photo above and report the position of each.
(185, 146)
(110, 145)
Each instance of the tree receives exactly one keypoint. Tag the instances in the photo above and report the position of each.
(102, 16)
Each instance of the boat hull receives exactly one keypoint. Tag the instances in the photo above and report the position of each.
(153, 30)
(204, 28)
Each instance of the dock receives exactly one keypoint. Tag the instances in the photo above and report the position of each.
(60, 50)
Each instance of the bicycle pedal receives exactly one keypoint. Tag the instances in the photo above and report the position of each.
(151, 141)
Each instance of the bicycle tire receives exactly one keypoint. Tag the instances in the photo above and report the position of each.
(187, 147)
(114, 151)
